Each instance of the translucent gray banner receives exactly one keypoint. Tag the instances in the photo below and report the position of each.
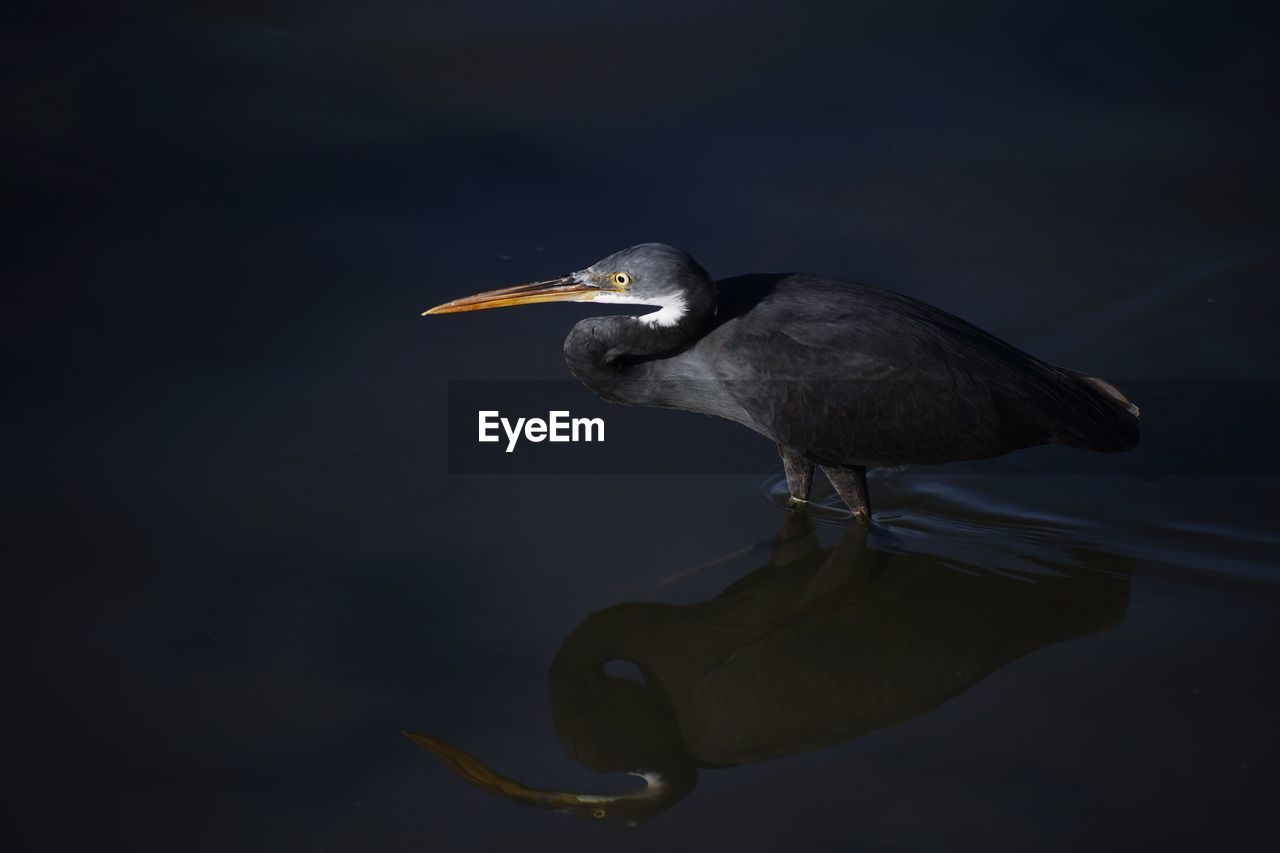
(1188, 427)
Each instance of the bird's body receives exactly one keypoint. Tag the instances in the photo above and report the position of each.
(840, 375)
(846, 374)
(817, 647)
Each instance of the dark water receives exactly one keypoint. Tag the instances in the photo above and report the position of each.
(238, 567)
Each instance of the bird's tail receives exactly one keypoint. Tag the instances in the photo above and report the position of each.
(1094, 415)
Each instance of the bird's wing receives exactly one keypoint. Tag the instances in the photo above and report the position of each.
(848, 375)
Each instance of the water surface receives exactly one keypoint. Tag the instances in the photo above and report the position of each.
(241, 567)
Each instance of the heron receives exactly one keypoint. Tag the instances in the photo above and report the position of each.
(840, 375)
(817, 647)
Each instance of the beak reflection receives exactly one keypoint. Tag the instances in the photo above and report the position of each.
(469, 767)
(821, 645)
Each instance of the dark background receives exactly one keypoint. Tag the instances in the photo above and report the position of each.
(237, 565)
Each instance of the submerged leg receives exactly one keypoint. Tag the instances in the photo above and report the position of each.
(851, 485)
(799, 475)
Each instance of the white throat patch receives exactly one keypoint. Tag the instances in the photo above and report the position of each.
(671, 307)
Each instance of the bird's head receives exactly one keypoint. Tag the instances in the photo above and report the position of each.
(649, 274)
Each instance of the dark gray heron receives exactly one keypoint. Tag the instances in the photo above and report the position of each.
(816, 648)
(840, 375)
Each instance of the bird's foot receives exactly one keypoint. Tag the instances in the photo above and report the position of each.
(851, 484)
(799, 476)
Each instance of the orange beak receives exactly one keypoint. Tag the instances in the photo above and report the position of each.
(567, 288)
(477, 773)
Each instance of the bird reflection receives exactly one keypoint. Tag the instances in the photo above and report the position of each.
(815, 648)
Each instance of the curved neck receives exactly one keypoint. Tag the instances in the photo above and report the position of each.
(615, 724)
(602, 347)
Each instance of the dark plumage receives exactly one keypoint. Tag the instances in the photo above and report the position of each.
(815, 648)
(840, 375)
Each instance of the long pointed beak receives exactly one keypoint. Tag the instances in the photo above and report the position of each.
(477, 773)
(567, 288)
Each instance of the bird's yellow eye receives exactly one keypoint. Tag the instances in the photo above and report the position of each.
(621, 279)
(598, 813)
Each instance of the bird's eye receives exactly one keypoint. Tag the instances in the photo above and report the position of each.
(598, 813)
(621, 279)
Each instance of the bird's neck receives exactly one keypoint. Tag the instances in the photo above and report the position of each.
(601, 348)
(613, 722)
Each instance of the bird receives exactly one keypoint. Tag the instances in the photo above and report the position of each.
(817, 647)
(840, 375)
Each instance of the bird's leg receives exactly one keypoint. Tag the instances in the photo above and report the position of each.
(799, 475)
(851, 485)
(847, 568)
